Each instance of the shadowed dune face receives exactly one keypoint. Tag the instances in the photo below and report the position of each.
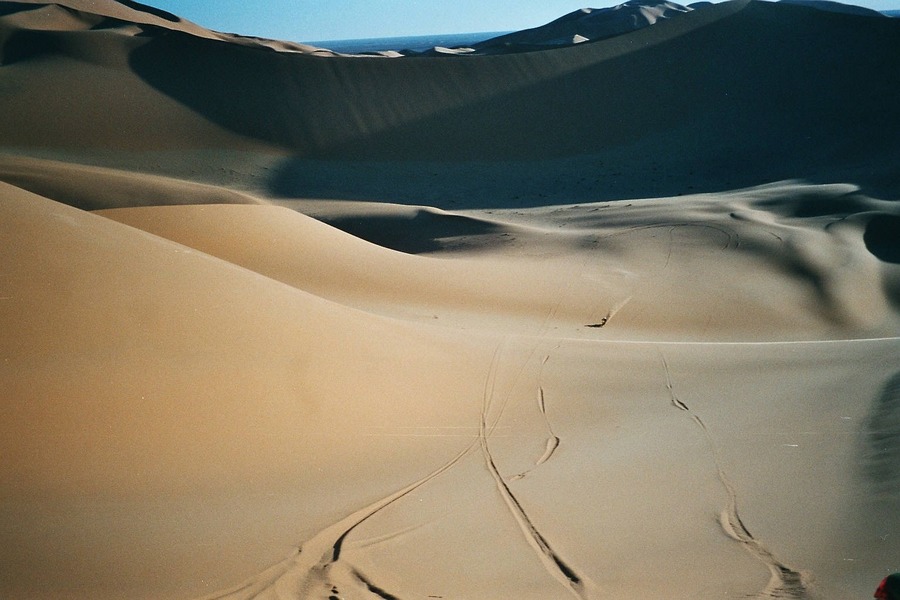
(882, 237)
(698, 72)
(414, 233)
(149, 9)
(683, 103)
(58, 61)
(581, 90)
(54, 87)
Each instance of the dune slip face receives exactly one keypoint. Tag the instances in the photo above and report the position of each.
(607, 308)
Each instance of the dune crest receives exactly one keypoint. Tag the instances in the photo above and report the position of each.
(585, 25)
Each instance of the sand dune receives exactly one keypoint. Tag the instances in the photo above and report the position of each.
(584, 25)
(614, 319)
(121, 16)
(132, 364)
(353, 111)
(94, 188)
(593, 261)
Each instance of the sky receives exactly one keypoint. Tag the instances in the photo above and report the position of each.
(319, 20)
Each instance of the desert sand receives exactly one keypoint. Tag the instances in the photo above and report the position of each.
(615, 318)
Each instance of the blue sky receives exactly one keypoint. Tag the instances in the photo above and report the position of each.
(316, 20)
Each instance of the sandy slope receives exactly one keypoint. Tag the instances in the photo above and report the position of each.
(143, 363)
(431, 328)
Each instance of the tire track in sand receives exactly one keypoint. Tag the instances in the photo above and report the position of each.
(315, 569)
(552, 562)
(553, 440)
(784, 582)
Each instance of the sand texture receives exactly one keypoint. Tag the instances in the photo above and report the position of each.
(613, 317)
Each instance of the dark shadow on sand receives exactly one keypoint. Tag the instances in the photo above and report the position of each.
(766, 93)
(167, 16)
(882, 238)
(423, 231)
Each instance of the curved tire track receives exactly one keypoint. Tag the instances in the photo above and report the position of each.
(785, 582)
(552, 562)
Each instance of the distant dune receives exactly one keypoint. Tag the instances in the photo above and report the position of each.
(607, 308)
(585, 25)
